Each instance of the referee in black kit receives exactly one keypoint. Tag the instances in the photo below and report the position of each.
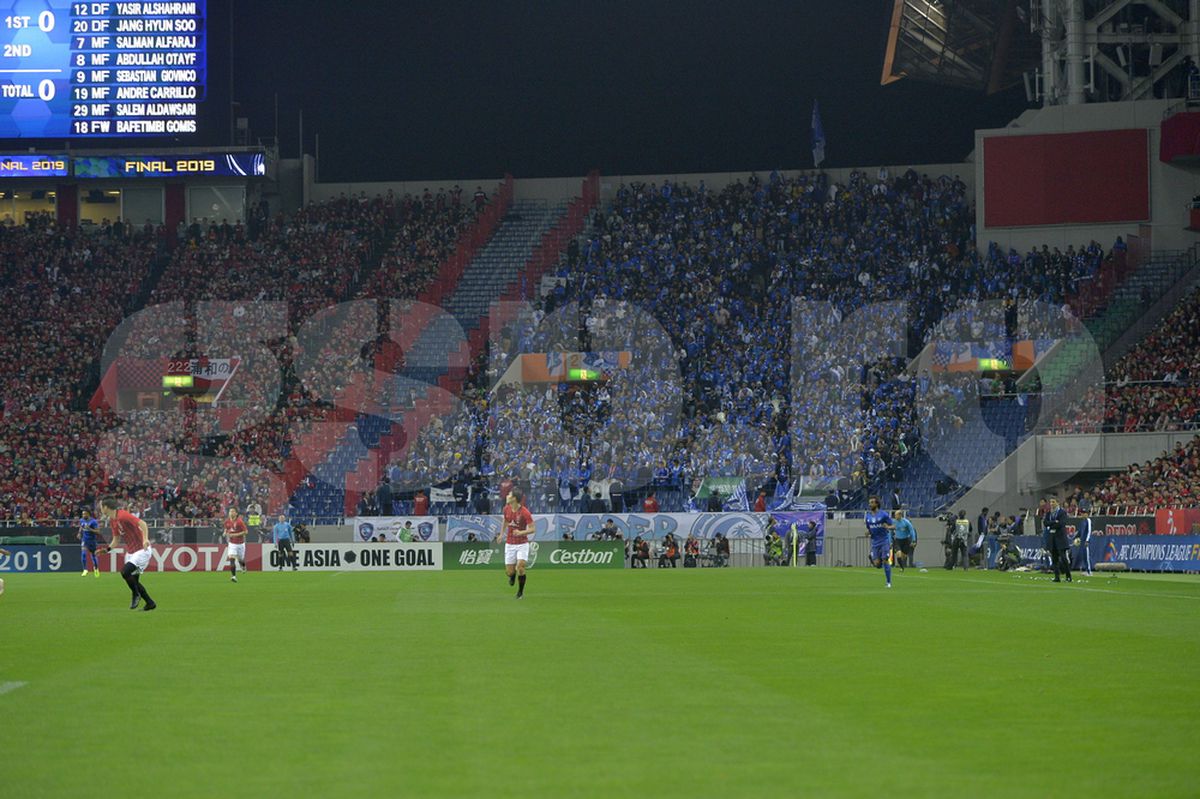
(1055, 525)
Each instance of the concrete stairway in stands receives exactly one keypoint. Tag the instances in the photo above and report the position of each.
(332, 448)
(530, 240)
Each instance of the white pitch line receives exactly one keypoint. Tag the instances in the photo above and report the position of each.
(9, 687)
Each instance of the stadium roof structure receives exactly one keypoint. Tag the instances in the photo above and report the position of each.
(983, 45)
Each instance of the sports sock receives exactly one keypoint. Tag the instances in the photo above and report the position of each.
(233, 567)
(141, 589)
(83, 558)
(512, 578)
(521, 580)
(130, 580)
(887, 571)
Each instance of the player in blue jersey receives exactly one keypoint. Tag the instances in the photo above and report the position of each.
(87, 542)
(880, 526)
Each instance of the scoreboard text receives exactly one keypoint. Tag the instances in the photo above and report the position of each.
(101, 68)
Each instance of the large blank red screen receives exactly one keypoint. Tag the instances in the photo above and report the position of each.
(1066, 178)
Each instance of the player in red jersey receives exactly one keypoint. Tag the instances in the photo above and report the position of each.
(518, 529)
(130, 532)
(235, 534)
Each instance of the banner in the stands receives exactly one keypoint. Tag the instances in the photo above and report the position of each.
(787, 523)
(583, 526)
(394, 528)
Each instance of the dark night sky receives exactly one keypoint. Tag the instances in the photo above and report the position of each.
(448, 89)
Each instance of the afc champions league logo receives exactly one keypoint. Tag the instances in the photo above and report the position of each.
(1110, 552)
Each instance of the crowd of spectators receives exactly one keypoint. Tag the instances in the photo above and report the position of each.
(63, 291)
(1155, 387)
(67, 291)
(729, 376)
(1169, 481)
(736, 379)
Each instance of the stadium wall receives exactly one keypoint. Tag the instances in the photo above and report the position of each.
(1032, 470)
(559, 189)
(321, 192)
(331, 533)
(1041, 178)
(1107, 452)
(716, 181)
(853, 551)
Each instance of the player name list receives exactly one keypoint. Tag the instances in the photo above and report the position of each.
(135, 68)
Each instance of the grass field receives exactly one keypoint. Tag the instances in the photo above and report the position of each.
(721, 683)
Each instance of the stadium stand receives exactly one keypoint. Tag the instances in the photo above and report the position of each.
(718, 271)
(633, 253)
(63, 291)
(1153, 388)
(667, 248)
(1170, 481)
(319, 256)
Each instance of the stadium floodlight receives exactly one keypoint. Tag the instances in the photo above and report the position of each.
(971, 44)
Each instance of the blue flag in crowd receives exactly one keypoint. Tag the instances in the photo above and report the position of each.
(737, 501)
(818, 137)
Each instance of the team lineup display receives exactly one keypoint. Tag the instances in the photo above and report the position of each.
(100, 69)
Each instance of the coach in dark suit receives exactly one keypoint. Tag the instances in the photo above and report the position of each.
(1055, 525)
(384, 498)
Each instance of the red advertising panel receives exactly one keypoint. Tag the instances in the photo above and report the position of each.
(1097, 177)
(1177, 521)
(186, 558)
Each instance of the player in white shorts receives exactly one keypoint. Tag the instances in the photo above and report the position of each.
(131, 534)
(235, 534)
(518, 529)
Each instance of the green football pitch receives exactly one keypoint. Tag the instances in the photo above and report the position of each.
(686, 683)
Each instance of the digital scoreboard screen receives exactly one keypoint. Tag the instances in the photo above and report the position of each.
(33, 166)
(101, 69)
(245, 165)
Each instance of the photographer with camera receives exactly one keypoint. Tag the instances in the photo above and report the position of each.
(640, 556)
(958, 532)
(609, 531)
(720, 546)
(669, 553)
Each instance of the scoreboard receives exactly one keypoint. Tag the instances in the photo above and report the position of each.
(101, 69)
